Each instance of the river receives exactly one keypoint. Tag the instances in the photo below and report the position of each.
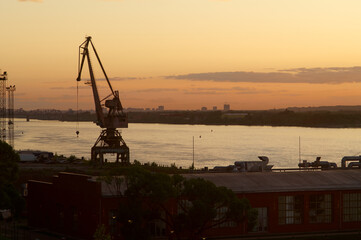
(166, 144)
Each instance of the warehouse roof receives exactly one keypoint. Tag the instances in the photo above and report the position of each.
(260, 182)
(285, 181)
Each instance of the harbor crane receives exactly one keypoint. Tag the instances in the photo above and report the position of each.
(110, 139)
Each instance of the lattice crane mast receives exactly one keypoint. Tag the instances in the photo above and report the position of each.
(3, 80)
(110, 139)
(10, 90)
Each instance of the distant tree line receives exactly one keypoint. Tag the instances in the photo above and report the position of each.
(286, 117)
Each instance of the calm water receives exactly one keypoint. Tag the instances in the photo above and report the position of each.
(214, 145)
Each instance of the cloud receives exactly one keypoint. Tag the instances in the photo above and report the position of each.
(126, 78)
(117, 79)
(162, 100)
(236, 90)
(207, 91)
(332, 75)
(66, 88)
(64, 98)
(147, 90)
(30, 1)
(240, 90)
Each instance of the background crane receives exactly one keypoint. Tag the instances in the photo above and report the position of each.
(3, 80)
(110, 139)
(10, 90)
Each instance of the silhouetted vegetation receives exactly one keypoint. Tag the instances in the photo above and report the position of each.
(304, 119)
(45, 172)
(9, 196)
(296, 117)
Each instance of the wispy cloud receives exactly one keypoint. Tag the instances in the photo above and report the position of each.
(126, 78)
(332, 75)
(147, 90)
(65, 98)
(66, 88)
(118, 79)
(30, 1)
(236, 90)
(162, 100)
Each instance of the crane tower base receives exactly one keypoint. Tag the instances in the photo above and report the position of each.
(110, 141)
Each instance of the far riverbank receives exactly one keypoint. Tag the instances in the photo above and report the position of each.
(287, 118)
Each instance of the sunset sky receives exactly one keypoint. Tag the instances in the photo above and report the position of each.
(185, 54)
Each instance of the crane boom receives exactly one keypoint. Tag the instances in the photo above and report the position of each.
(116, 118)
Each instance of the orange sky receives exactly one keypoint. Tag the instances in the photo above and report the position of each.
(185, 54)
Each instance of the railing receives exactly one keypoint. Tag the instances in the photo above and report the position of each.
(296, 169)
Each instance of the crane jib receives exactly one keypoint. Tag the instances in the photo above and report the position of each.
(115, 118)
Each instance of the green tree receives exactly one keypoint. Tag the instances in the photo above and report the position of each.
(145, 197)
(203, 205)
(9, 197)
(200, 205)
(8, 164)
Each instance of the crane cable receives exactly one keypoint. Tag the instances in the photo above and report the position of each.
(77, 100)
(77, 109)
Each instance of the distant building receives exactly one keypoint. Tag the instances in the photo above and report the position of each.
(204, 108)
(160, 108)
(34, 156)
(226, 107)
(214, 108)
(27, 157)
